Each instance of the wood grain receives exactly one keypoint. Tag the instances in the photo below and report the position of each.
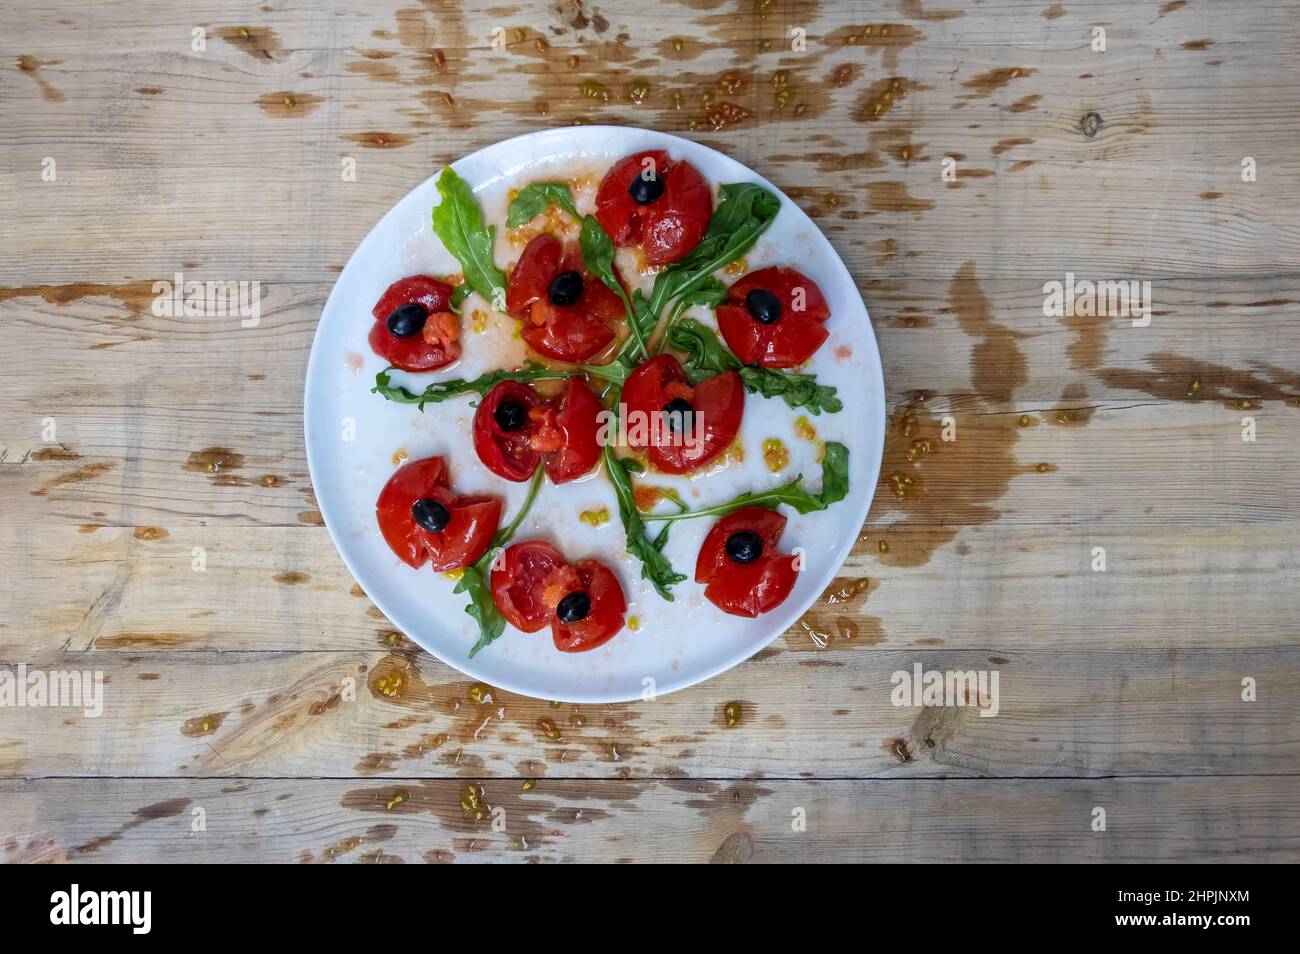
(231, 689)
(282, 589)
(325, 821)
(804, 713)
(1125, 201)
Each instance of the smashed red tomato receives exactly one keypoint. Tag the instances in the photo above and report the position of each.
(774, 318)
(424, 521)
(743, 572)
(682, 427)
(415, 329)
(663, 204)
(533, 585)
(568, 314)
(515, 428)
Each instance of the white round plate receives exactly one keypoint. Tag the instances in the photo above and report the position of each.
(353, 435)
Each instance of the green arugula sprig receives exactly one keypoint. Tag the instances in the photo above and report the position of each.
(797, 390)
(707, 356)
(745, 212)
(835, 487)
(440, 391)
(458, 223)
(598, 255)
(458, 296)
(475, 579)
(654, 565)
(710, 294)
(536, 198)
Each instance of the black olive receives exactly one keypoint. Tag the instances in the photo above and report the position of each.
(744, 546)
(677, 414)
(644, 191)
(510, 416)
(764, 307)
(574, 607)
(565, 289)
(431, 514)
(408, 320)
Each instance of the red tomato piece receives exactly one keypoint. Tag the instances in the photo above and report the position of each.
(565, 334)
(603, 620)
(716, 407)
(785, 284)
(746, 588)
(515, 428)
(576, 331)
(533, 580)
(532, 274)
(669, 225)
(518, 581)
(436, 345)
(789, 340)
(467, 534)
(504, 425)
(578, 421)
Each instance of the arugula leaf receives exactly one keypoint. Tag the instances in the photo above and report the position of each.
(835, 487)
(745, 212)
(642, 322)
(613, 373)
(439, 391)
(710, 293)
(707, 356)
(797, 390)
(598, 255)
(491, 624)
(661, 538)
(458, 296)
(458, 223)
(654, 565)
(534, 199)
(835, 474)
(474, 580)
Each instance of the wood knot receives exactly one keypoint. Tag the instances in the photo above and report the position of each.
(1089, 124)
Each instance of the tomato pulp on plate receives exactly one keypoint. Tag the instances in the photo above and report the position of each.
(568, 314)
(774, 318)
(533, 585)
(415, 329)
(424, 521)
(515, 428)
(661, 203)
(682, 427)
(743, 572)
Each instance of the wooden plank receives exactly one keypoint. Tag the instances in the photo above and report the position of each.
(326, 821)
(1059, 714)
(217, 436)
(285, 589)
(1161, 146)
(1132, 465)
(1230, 332)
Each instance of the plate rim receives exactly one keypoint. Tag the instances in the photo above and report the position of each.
(466, 666)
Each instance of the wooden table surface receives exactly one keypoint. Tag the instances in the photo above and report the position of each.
(129, 441)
